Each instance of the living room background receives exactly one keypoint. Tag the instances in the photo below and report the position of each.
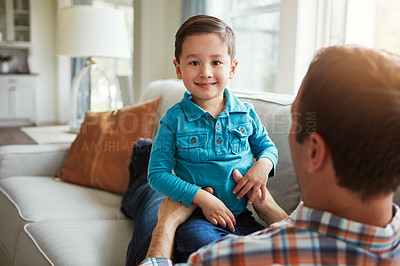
(304, 26)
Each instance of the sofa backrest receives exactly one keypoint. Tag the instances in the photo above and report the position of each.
(274, 112)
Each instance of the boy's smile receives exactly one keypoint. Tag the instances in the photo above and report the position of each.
(205, 68)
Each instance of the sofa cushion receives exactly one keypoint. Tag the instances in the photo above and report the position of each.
(37, 159)
(74, 242)
(99, 156)
(27, 199)
(170, 90)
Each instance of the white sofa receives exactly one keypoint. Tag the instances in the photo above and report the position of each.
(46, 221)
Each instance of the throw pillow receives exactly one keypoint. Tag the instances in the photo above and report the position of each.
(100, 155)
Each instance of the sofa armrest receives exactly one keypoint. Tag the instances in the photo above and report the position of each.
(32, 160)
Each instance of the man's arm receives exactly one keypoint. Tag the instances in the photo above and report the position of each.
(255, 179)
(268, 210)
(161, 245)
(170, 215)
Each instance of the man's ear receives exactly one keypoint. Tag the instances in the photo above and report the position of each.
(178, 69)
(233, 68)
(317, 152)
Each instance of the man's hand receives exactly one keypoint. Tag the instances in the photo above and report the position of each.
(268, 210)
(214, 209)
(174, 213)
(255, 179)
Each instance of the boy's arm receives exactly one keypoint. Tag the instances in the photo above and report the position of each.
(161, 163)
(261, 144)
(266, 154)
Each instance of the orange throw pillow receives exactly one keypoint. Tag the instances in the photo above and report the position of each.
(100, 155)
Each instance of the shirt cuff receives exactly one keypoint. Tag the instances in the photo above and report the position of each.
(190, 196)
(156, 261)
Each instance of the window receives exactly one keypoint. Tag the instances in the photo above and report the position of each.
(256, 24)
(266, 42)
(276, 39)
(387, 26)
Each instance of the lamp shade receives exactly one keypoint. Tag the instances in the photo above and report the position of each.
(92, 32)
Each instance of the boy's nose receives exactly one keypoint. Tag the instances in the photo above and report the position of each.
(206, 72)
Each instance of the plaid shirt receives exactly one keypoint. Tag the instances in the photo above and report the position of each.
(311, 237)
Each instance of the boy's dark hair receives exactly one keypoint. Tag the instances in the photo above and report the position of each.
(204, 24)
(352, 94)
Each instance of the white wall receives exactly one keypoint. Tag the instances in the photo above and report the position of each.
(42, 59)
(156, 22)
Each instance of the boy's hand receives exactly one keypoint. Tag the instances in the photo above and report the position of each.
(216, 212)
(255, 178)
(214, 209)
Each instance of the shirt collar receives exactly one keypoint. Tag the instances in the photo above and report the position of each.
(374, 238)
(233, 104)
(190, 109)
(194, 112)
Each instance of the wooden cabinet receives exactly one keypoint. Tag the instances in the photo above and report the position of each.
(17, 100)
(15, 22)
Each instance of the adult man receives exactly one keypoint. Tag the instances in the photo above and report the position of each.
(347, 167)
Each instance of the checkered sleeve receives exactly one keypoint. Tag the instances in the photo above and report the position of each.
(157, 261)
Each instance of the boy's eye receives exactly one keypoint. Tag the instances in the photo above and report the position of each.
(216, 63)
(194, 63)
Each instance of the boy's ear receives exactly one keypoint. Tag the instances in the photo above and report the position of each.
(178, 69)
(233, 68)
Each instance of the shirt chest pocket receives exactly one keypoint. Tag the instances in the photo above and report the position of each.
(239, 137)
(193, 146)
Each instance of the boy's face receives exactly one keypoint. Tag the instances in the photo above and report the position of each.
(205, 66)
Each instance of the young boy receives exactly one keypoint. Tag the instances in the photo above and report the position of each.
(208, 135)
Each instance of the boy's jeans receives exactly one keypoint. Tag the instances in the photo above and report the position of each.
(141, 203)
(197, 232)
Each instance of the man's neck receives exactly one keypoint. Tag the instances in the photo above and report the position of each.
(376, 212)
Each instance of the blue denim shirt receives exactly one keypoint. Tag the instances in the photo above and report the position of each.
(203, 151)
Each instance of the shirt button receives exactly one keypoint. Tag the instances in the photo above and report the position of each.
(209, 117)
(219, 140)
(242, 130)
(193, 140)
(218, 127)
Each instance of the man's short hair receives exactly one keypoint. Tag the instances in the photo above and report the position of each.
(204, 24)
(351, 97)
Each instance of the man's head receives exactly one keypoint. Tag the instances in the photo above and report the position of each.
(204, 24)
(350, 97)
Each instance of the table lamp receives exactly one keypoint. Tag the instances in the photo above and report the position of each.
(88, 32)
